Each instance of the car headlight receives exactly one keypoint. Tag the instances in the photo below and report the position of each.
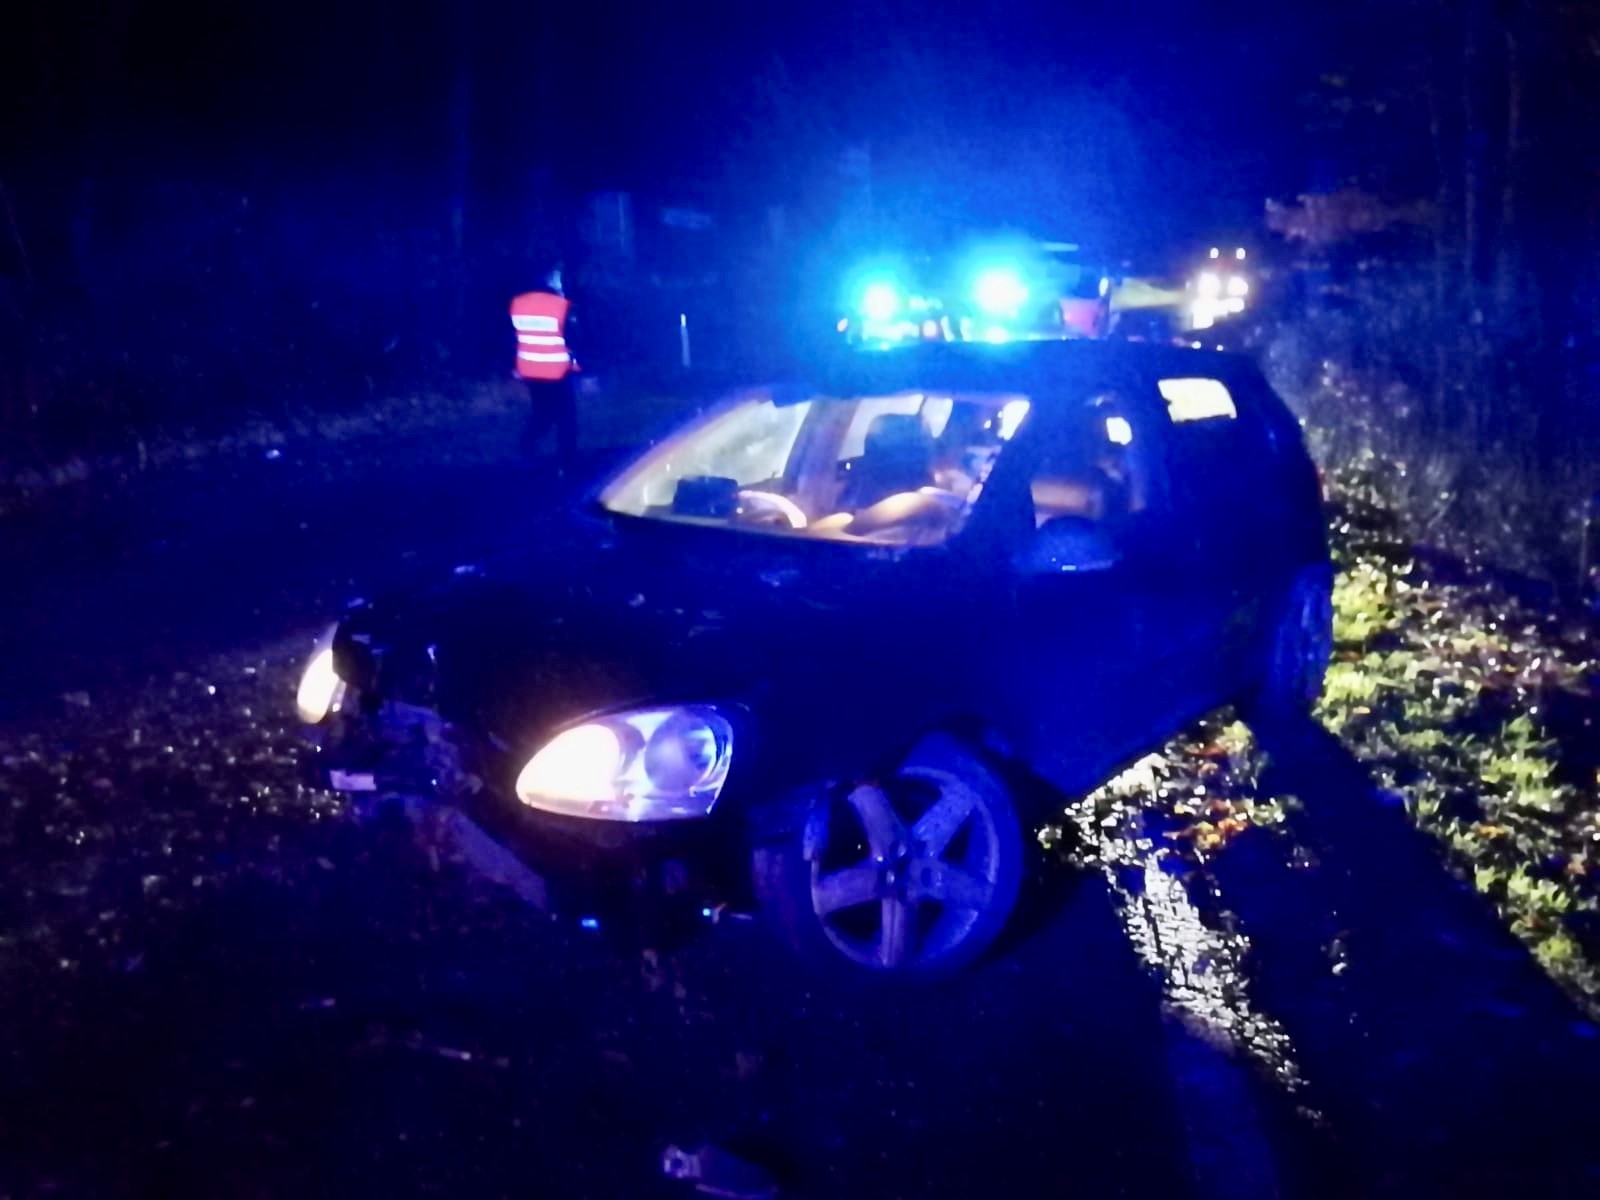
(656, 764)
(320, 689)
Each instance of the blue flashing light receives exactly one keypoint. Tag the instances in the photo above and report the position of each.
(1000, 290)
(590, 923)
(880, 301)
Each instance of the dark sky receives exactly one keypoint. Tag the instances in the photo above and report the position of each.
(1153, 121)
(1041, 111)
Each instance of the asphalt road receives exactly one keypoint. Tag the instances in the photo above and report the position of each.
(242, 549)
(212, 983)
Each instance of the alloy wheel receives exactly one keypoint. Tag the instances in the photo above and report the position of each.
(902, 871)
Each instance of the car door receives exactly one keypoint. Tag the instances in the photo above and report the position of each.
(1219, 463)
(1086, 644)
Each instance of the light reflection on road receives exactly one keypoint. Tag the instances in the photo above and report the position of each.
(1200, 962)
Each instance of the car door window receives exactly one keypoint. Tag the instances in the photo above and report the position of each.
(1096, 466)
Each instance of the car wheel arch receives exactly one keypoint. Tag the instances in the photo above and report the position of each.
(988, 747)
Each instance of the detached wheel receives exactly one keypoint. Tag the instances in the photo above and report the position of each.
(1298, 648)
(911, 877)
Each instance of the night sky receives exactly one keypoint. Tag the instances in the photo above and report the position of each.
(1151, 124)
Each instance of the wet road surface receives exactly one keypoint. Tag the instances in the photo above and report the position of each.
(211, 982)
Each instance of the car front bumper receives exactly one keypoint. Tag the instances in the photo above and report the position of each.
(567, 866)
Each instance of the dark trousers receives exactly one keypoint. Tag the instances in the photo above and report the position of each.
(553, 404)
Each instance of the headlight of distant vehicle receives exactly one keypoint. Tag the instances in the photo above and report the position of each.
(320, 689)
(655, 764)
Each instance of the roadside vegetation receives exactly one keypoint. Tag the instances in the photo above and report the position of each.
(1480, 712)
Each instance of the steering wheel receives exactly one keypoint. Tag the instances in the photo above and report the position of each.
(770, 509)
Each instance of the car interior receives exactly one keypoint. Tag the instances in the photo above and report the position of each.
(897, 469)
(898, 456)
(1087, 495)
(1095, 473)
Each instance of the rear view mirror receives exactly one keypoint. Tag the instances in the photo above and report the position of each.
(1069, 545)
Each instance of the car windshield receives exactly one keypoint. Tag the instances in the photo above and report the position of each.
(902, 469)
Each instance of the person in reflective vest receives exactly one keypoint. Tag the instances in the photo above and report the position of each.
(543, 324)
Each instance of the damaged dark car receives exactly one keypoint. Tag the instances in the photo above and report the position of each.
(829, 650)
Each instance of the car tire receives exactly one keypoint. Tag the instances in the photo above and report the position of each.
(903, 880)
(1297, 649)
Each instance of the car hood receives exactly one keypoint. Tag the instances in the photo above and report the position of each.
(597, 613)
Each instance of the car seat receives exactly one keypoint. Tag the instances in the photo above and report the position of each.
(1082, 494)
(897, 457)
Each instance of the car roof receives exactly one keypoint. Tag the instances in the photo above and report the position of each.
(1024, 366)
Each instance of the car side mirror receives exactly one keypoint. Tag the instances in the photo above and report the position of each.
(1069, 545)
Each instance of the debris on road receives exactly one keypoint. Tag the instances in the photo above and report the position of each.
(717, 1172)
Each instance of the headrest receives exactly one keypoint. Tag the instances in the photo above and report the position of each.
(897, 433)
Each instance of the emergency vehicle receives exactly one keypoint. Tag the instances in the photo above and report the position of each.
(994, 291)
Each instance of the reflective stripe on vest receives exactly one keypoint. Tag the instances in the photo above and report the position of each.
(542, 352)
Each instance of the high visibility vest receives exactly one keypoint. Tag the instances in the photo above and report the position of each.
(540, 319)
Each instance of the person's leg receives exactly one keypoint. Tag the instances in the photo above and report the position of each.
(539, 416)
(566, 420)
